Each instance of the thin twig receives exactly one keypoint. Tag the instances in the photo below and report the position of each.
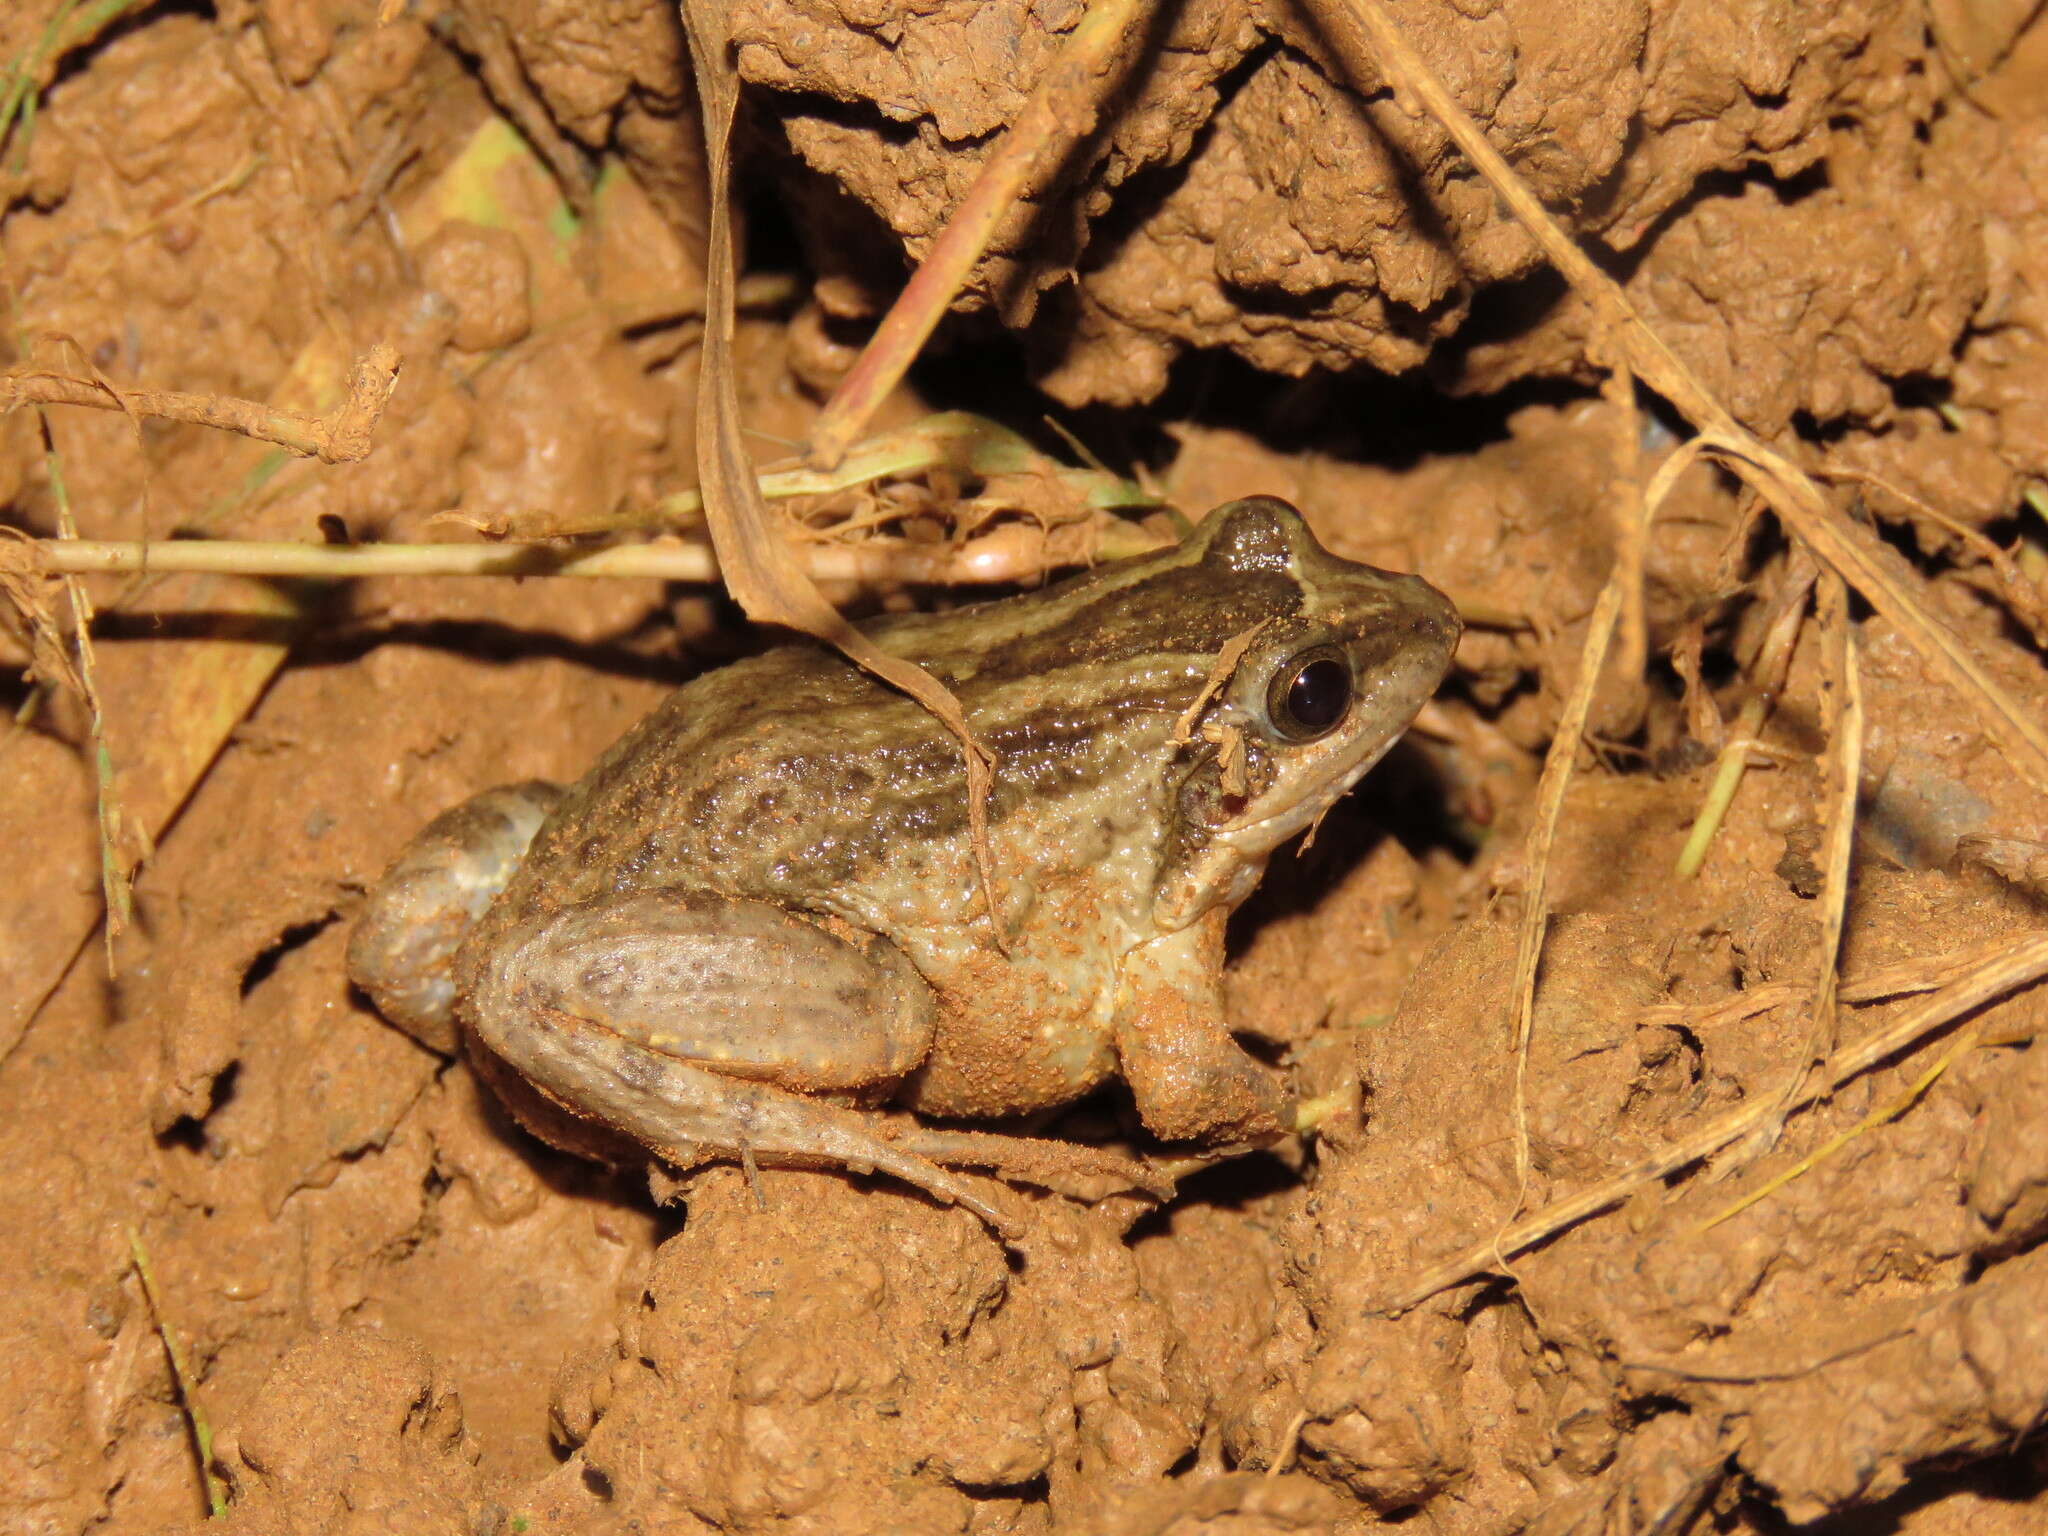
(1062, 109)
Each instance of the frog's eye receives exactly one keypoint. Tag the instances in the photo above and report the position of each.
(1309, 693)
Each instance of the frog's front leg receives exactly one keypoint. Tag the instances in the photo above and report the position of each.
(1192, 1081)
(696, 1023)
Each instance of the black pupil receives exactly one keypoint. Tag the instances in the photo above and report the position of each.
(1318, 694)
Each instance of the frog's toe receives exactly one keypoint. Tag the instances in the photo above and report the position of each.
(403, 948)
(1073, 1169)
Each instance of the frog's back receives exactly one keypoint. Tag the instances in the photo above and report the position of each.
(796, 778)
(771, 775)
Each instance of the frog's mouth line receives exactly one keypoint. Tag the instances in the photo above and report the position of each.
(1261, 835)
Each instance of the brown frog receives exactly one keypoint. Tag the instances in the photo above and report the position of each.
(759, 920)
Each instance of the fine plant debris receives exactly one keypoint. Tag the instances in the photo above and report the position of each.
(1660, 1020)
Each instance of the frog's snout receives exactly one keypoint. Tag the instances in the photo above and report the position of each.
(1435, 621)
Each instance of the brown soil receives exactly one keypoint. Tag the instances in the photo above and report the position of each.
(400, 1313)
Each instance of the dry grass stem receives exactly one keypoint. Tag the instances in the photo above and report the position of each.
(117, 870)
(1550, 790)
(2020, 596)
(342, 436)
(1967, 1039)
(1842, 772)
(1844, 777)
(201, 693)
(231, 180)
(1767, 672)
(1635, 510)
(1063, 109)
(1372, 44)
(1631, 532)
(498, 63)
(22, 83)
(994, 559)
(956, 443)
(2011, 966)
(1900, 980)
(188, 1398)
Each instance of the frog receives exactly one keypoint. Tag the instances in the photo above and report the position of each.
(765, 928)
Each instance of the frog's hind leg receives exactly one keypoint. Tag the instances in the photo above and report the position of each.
(684, 1113)
(402, 951)
(696, 1023)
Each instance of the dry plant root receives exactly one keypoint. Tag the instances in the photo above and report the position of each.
(341, 436)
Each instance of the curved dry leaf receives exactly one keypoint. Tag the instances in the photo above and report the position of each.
(762, 573)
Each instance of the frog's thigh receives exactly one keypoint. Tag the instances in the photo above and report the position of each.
(1191, 1080)
(402, 951)
(600, 1005)
(741, 987)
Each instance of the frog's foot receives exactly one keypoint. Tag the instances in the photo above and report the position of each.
(698, 1024)
(1066, 1168)
(402, 951)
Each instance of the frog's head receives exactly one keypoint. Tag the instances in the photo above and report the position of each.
(1316, 690)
